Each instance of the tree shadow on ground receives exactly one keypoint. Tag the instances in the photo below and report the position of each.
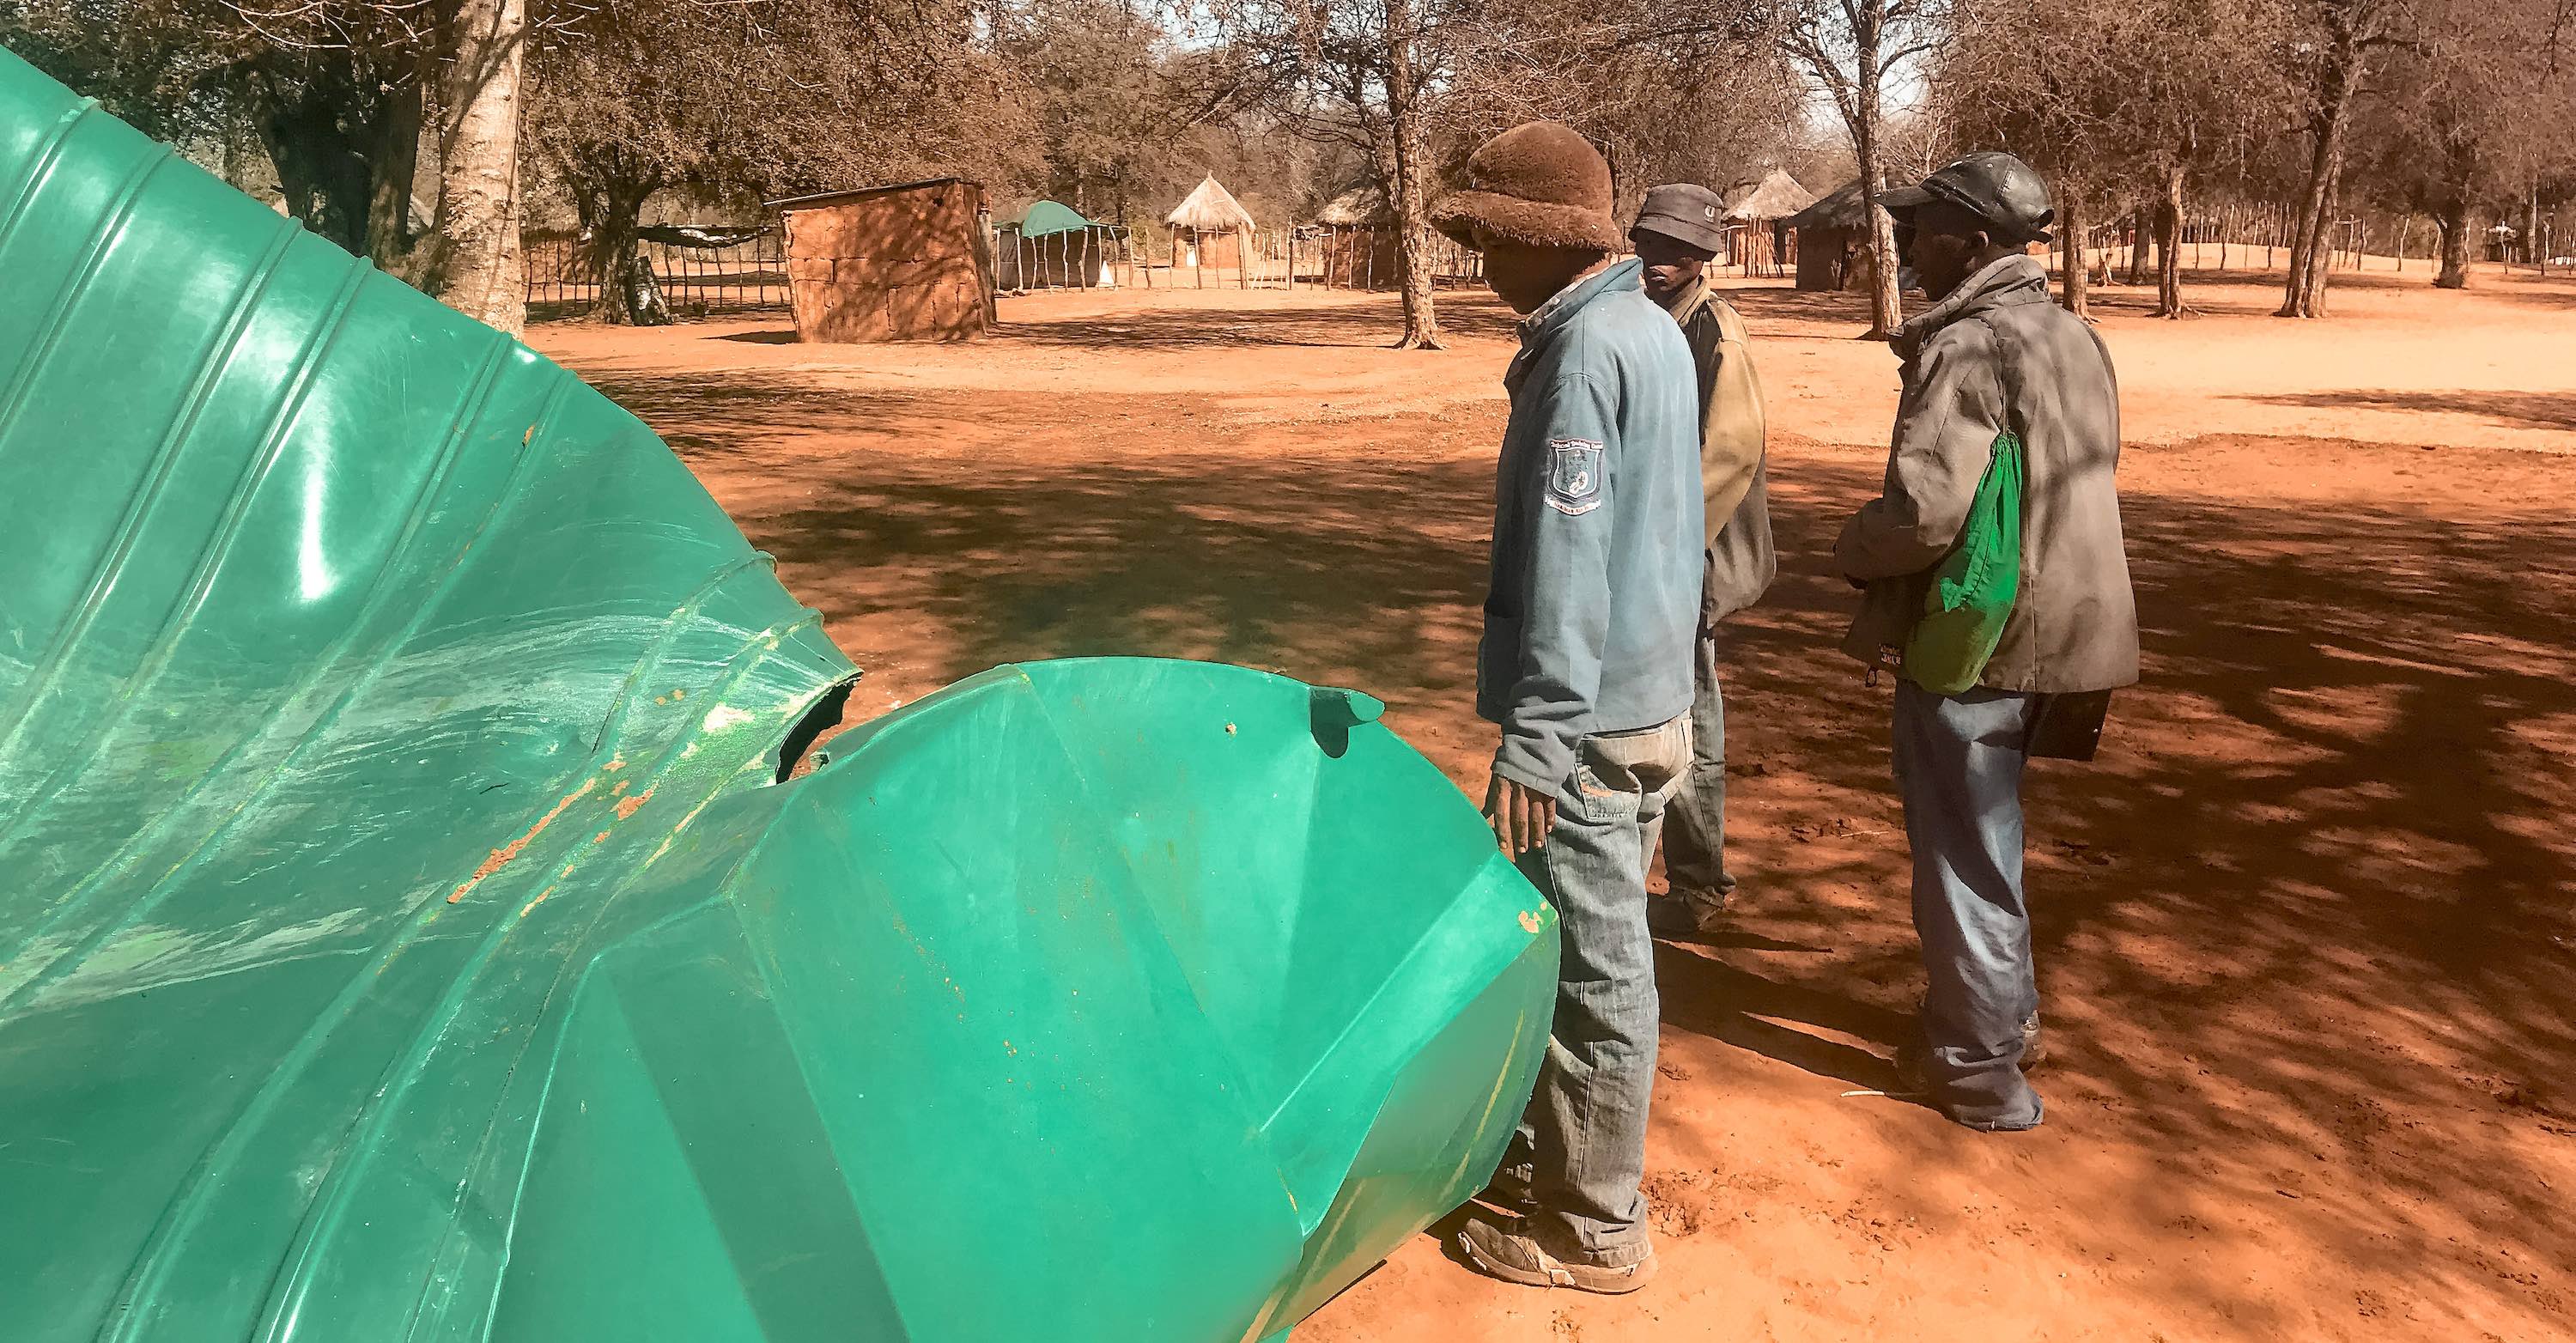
(2513, 410)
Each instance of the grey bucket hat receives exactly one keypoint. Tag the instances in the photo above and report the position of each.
(1687, 213)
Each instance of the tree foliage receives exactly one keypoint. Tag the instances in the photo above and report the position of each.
(2115, 101)
(729, 102)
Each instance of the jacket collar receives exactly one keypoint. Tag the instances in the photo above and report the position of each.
(1552, 315)
(2003, 282)
(1541, 326)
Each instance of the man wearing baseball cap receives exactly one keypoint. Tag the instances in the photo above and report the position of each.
(1677, 233)
(1990, 365)
(1585, 667)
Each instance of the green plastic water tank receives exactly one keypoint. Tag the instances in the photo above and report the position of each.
(408, 934)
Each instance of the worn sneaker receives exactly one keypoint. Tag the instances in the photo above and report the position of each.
(1503, 1252)
(1686, 914)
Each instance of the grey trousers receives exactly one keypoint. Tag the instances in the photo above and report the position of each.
(1584, 1134)
(1695, 837)
(1959, 766)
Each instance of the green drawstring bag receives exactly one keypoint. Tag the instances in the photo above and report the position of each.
(1973, 591)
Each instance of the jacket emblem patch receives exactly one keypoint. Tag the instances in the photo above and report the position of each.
(1573, 475)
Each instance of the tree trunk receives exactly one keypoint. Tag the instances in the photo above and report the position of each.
(628, 295)
(321, 166)
(2454, 223)
(2531, 252)
(2141, 233)
(2305, 294)
(1886, 307)
(2169, 221)
(397, 163)
(2076, 284)
(479, 271)
(2321, 253)
(1411, 176)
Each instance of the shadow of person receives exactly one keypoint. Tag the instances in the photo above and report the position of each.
(1708, 996)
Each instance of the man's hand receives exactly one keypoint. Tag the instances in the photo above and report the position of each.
(1521, 815)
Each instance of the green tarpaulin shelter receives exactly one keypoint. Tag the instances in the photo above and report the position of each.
(1047, 218)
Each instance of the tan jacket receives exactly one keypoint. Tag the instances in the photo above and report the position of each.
(1734, 472)
(1998, 353)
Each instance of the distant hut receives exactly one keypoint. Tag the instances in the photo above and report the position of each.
(1758, 222)
(1830, 234)
(1049, 246)
(1210, 229)
(904, 262)
(1358, 240)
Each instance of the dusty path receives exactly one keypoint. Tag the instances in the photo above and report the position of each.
(2307, 941)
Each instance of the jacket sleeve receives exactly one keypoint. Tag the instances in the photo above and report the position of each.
(1731, 428)
(1567, 622)
(1945, 435)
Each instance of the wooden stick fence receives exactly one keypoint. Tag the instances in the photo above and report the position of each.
(563, 282)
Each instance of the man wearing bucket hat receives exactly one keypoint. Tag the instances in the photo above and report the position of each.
(2001, 388)
(1585, 667)
(1678, 232)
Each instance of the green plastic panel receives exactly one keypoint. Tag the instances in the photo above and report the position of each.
(408, 935)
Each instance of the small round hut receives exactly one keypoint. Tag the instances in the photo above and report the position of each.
(1831, 233)
(1757, 220)
(1358, 240)
(1210, 229)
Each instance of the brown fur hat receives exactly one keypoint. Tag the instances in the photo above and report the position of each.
(1540, 184)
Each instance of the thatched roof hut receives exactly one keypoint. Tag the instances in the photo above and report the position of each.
(1833, 234)
(1210, 228)
(1838, 208)
(1359, 207)
(1210, 209)
(1777, 196)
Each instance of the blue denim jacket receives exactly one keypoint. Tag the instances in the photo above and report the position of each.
(1597, 530)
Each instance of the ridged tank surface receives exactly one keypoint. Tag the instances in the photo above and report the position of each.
(407, 933)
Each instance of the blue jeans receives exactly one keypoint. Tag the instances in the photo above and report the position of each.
(1959, 764)
(1695, 838)
(1584, 1134)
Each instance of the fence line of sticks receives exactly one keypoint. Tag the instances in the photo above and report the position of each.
(2235, 231)
(1318, 256)
(563, 277)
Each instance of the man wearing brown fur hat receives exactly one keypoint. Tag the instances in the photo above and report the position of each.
(1585, 666)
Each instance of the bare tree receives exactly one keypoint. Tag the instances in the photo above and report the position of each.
(2333, 43)
(2474, 110)
(1850, 48)
(1703, 95)
(753, 97)
(2113, 100)
(1360, 73)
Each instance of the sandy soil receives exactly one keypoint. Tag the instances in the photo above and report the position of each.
(2306, 935)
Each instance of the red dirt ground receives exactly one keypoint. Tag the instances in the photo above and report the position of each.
(2306, 940)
